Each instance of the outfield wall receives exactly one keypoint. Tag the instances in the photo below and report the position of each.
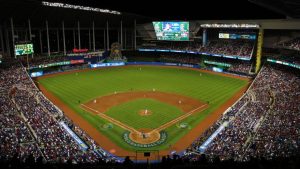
(114, 64)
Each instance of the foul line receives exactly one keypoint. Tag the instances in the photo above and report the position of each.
(166, 125)
(126, 127)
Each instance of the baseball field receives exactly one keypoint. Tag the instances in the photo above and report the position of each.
(146, 108)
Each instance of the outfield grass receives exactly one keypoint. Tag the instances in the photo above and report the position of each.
(84, 86)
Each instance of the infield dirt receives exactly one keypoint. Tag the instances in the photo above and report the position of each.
(100, 105)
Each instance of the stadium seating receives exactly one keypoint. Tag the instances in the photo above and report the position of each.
(241, 48)
(263, 123)
(31, 123)
(291, 44)
(290, 59)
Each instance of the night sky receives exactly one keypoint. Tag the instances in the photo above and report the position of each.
(185, 10)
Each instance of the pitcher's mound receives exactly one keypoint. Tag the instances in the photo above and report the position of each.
(145, 112)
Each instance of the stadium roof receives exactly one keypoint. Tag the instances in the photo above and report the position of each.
(289, 8)
(154, 9)
(22, 10)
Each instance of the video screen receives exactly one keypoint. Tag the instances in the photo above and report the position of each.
(237, 36)
(172, 31)
(24, 49)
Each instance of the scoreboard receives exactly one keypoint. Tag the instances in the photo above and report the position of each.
(24, 49)
(172, 31)
(237, 36)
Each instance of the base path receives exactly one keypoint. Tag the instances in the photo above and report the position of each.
(103, 103)
(100, 105)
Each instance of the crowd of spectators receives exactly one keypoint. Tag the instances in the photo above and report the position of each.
(241, 48)
(278, 135)
(294, 59)
(30, 123)
(237, 66)
(180, 58)
(54, 111)
(291, 44)
(56, 144)
(43, 60)
(244, 67)
(228, 116)
(265, 122)
(15, 137)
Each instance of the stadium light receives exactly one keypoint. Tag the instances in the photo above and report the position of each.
(78, 7)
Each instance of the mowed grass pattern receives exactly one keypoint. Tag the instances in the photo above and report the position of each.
(85, 86)
(128, 113)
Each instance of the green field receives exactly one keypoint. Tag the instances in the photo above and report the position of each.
(85, 86)
(128, 113)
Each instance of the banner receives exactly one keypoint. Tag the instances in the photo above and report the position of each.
(81, 144)
(217, 63)
(77, 61)
(75, 50)
(54, 64)
(36, 74)
(107, 64)
(204, 146)
(284, 63)
(194, 52)
(163, 64)
(216, 69)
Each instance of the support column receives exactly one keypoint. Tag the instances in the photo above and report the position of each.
(74, 38)
(1, 40)
(7, 41)
(25, 35)
(107, 35)
(30, 35)
(125, 38)
(204, 37)
(118, 36)
(57, 36)
(48, 43)
(90, 43)
(132, 40)
(64, 37)
(94, 45)
(13, 35)
(121, 34)
(260, 40)
(41, 43)
(134, 34)
(104, 41)
(29, 28)
(79, 42)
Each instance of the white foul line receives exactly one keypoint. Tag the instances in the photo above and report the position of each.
(124, 126)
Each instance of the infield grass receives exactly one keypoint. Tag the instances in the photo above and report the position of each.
(128, 113)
